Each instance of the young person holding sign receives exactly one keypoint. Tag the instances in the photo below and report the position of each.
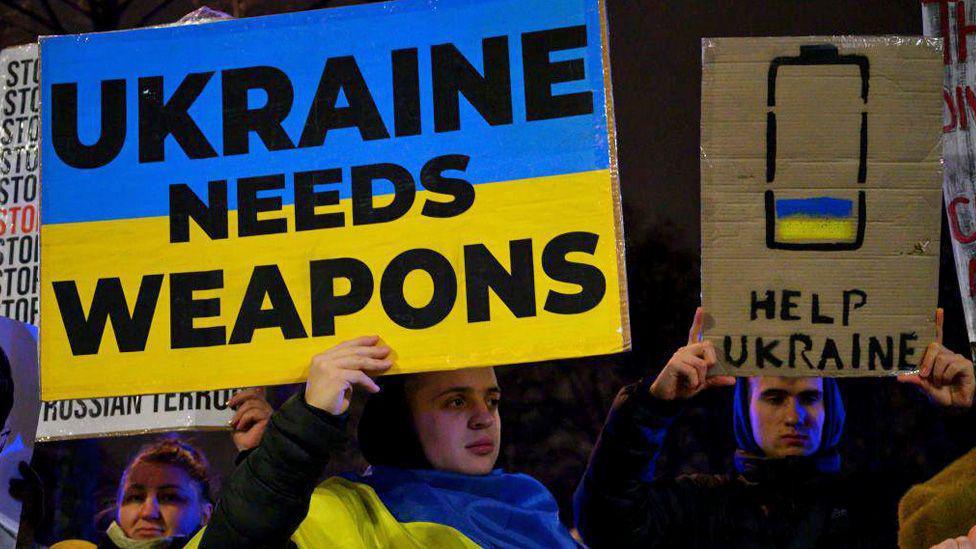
(787, 493)
(432, 441)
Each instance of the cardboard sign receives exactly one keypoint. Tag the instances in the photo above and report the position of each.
(954, 22)
(820, 203)
(18, 414)
(20, 130)
(221, 204)
(134, 415)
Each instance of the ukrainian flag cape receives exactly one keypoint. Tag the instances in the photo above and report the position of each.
(391, 507)
(494, 510)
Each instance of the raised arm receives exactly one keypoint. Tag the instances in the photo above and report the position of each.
(267, 496)
(617, 503)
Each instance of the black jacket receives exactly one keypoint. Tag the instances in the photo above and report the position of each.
(267, 496)
(784, 503)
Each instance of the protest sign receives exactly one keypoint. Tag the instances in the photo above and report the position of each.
(18, 414)
(19, 155)
(134, 415)
(953, 22)
(221, 204)
(20, 127)
(820, 203)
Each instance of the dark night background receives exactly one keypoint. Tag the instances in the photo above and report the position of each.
(553, 413)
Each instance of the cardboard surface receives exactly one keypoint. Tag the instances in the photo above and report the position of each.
(820, 203)
(439, 173)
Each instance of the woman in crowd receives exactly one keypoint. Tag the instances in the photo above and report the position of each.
(432, 441)
(163, 498)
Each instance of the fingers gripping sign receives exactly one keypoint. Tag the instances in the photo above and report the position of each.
(251, 415)
(686, 374)
(946, 377)
(334, 374)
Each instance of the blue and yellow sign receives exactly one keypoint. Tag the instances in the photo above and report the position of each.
(222, 201)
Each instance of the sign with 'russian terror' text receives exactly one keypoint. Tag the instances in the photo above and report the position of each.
(821, 203)
(223, 201)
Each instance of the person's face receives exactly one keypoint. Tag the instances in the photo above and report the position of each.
(159, 501)
(787, 414)
(456, 417)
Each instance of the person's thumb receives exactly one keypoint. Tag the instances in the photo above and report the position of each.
(695, 333)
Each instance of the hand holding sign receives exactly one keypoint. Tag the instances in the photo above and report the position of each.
(946, 377)
(334, 373)
(252, 413)
(686, 374)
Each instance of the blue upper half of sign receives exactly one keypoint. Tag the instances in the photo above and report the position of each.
(299, 45)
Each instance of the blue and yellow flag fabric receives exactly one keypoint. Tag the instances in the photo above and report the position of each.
(403, 508)
(494, 510)
(222, 201)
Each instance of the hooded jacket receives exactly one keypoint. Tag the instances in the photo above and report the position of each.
(272, 499)
(792, 502)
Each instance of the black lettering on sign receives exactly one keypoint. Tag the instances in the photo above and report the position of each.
(853, 299)
(453, 76)
(878, 355)
(788, 305)
(249, 205)
(392, 289)
(743, 354)
(406, 92)
(816, 317)
(856, 351)
(541, 73)
(131, 331)
(342, 74)
(159, 119)
(307, 199)
(516, 288)
(807, 345)
(184, 309)
(830, 353)
(432, 178)
(266, 283)
(768, 305)
(905, 350)
(590, 279)
(404, 191)
(240, 119)
(326, 304)
(764, 353)
(64, 125)
(185, 204)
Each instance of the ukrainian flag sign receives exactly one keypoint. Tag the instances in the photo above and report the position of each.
(821, 203)
(820, 219)
(222, 201)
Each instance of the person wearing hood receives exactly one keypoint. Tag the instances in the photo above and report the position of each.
(787, 490)
(431, 441)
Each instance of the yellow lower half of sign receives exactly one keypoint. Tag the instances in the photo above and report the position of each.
(264, 305)
(816, 230)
